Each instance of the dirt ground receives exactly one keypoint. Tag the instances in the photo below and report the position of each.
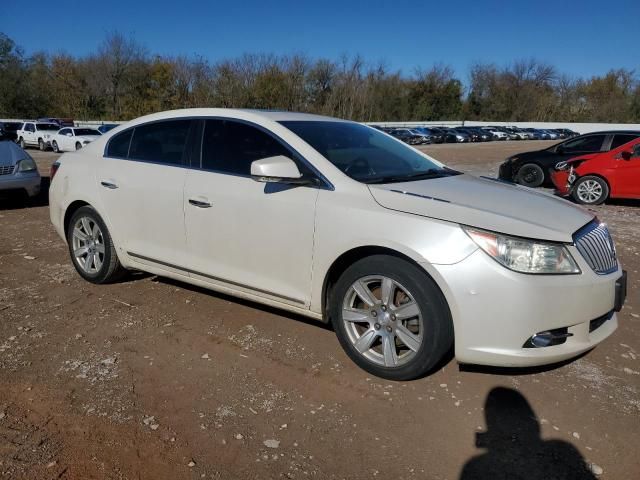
(153, 379)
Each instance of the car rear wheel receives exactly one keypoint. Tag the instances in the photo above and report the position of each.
(91, 247)
(530, 175)
(54, 145)
(391, 318)
(590, 190)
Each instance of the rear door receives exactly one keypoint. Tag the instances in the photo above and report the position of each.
(244, 234)
(141, 180)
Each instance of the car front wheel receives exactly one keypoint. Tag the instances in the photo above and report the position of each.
(530, 175)
(22, 144)
(91, 247)
(41, 145)
(590, 190)
(54, 145)
(391, 318)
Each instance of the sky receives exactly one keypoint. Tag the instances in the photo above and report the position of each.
(580, 38)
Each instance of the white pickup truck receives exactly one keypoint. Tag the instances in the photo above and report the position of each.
(32, 134)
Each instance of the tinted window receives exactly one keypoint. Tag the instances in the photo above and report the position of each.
(119, 145)
(86, 131)
(48, 127)
(619, 140)
(231, 147)
(162, 142)
(64, 131)
(636, 151)
(590, 143)
(30, 127)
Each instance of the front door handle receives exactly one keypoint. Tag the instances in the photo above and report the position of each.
(109, 185)
(199, 203)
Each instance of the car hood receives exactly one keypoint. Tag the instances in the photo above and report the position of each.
(11, 153)
(487, 204)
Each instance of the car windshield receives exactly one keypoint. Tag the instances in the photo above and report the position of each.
(86, 131)
(48, 126)
(366, 154)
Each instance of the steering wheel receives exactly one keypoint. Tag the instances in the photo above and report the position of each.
(359, 166)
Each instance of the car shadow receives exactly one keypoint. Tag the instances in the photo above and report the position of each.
(13, 200)
(242, 301)
(514, 449)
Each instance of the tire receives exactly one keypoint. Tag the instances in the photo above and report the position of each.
(530, 175)
(78, 146)
(41, 145)
(379, 331)
(22, 144)
(54, 145)
(106, 268)
(590, 190)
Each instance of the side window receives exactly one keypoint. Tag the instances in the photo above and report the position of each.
(636, 151)
(620, 139)
(590, 143)
(162, 142)
(119, 145)
(64, 131)
(231, 147)
(30, 127)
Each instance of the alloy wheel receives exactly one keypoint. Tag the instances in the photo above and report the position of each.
(88, 245)
(383, 321)
(589, 191)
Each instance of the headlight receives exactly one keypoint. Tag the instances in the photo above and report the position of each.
(524, 256)
(27, 165)
(562, 165)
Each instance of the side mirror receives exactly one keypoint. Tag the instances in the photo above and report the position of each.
(278, 169)
(625, 155)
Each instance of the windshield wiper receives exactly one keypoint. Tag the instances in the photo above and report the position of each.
(431, 173)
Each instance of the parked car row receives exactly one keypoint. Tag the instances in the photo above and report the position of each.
(589, 168)
(47, 135)
(465, 134)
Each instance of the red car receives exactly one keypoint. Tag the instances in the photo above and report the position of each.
(591, 179)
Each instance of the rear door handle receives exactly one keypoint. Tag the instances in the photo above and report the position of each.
(110, 185)
(199, 203)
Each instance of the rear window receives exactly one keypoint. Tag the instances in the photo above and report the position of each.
(161, 142)
(621, 139)
(119, 145)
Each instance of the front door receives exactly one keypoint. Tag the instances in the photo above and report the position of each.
(256, 237)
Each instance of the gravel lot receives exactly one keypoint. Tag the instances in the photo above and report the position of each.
(153, 379)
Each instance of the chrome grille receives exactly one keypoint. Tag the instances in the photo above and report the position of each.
(596, 246)
(6, 169)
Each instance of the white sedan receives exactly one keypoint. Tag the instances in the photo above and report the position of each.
(345, 224)
(70, 138)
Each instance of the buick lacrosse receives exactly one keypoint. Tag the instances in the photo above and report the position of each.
(343, 223)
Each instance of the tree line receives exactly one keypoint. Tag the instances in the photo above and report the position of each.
(122, 80)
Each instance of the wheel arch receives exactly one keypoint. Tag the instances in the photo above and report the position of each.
(347, 258)
(71, 209)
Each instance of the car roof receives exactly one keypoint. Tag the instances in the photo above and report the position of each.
(609, 132)
(273, 115)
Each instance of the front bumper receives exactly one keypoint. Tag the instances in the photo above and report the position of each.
(28, 182)
(560, 179)
(505, 171)
(496, 311)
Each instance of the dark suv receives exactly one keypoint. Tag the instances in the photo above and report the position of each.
(8, 130)
(532, 168)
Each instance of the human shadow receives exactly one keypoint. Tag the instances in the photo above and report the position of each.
(514, 449)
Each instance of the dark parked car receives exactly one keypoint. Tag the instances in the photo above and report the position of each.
(8, 130)
(532, 168)
(61, 122)
(409, 136)
(435, 136)
(104, 128)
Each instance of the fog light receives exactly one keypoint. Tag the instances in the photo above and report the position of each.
(548, 338)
